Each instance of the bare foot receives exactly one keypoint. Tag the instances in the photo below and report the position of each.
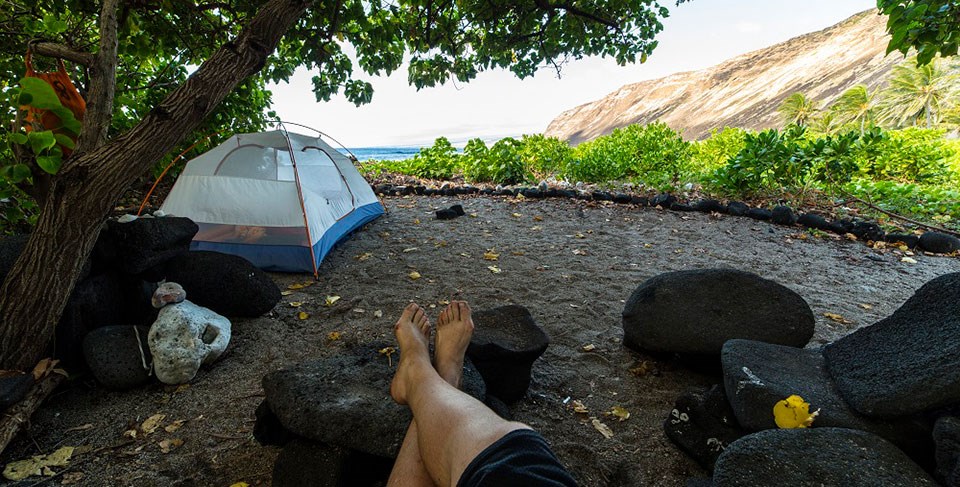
(454, 329)
(413, 336)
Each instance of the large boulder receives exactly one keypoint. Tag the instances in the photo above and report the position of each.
(906, 363)
(184, 337)
(702, 424)
(118, 356)
(505, 343)
(227, 284)
(345, 400)
(816, 457)
(136, 246)
(946, 433)
(304, 463)
(939, 243)
(758, 375)
(697, 311)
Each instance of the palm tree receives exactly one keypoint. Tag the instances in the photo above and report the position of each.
(798, 109)
(828, 123)
(856, 105)
(920, 92)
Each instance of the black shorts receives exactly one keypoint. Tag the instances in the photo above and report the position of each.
(520, 458)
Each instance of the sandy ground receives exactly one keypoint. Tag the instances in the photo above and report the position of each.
(572, 263)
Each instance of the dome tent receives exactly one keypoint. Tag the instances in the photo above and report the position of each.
(278, 199)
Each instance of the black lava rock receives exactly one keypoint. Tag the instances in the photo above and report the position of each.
(702, 424)
(868, 231)
(761, 214)
(842, 227)
(504, 346)
(13, 388)
(939, 243)
(450, 213)
(305, 463)
(116, 356)
(758, 375)
(532, 193)
(816, 457)
(812, 220)
(227, 284)
(911, 241)
(697, 311)
(343, 400)
(737, 208)
(906, 363)
(663, 200)
(946, 434)
(640, 200)
(682, 207)
(783, 215)
(602, 196)
(710, 206)
(621, 198)
(268, 430)
(141, 244)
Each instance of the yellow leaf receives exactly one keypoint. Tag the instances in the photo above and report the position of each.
(516, 215)
(536, 228)
(579, 407)
(414, 275)
(618, 412)
(296, 304)
(648, 246)
(295, 286)
(416, 221)
(837, 318)
(132, 433)
(333, 335)
(330, 300)
(174, 426)
(793, 412)
(303, 315)
(866, 306)
(580, 235)
(364, 256)
(490, 255)
(579, 252)
(240, 484)
(851, 237)
(602, 428)
(589, 347)
(151, 424)
(518, 253)
(494, 269)
(38, 465)
(286, 293)
(171, 444)
(411, 249)
(909, 260)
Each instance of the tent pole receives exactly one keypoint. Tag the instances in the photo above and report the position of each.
(303, 208)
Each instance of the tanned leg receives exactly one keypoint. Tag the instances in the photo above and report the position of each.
(408, 468)
(452, 427)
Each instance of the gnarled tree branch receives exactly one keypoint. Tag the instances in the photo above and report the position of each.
(52, 49)
(103, 83)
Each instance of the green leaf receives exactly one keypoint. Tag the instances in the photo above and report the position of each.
(40, 141)
(65, 141)
(42, 93)
(18, 138)
(19, 173)
(50, 164)
(24, 98)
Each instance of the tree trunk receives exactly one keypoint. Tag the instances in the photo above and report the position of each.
(82, 195)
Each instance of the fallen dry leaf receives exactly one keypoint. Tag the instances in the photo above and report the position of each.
(378, 314)
(171, 444)
(579, 252)
(837, 318)
(538, 218)
(151, 424)
(333, 336)
(516, 215)
(579, 235)
(38, 465)
(388, 351)
(286, 293)
(866, 306)
(490, 255)
(602, 428)
(416, 221)
(240, 484)
(536, 228)
(494, 269)
(330, 300)
(579, 407)
(364, 256)
(296, 304)
(588, 347)
(518, 253)
(618, 412)
(131, 433)
(83, 427)
(909, 260)
(296, 286)
(414, 275)
(174, 426)
(71, 478)
(303, 315)
(410, 249)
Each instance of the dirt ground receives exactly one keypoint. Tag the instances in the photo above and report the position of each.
(572, 263)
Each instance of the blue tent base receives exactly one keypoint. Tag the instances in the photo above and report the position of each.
(294, 258)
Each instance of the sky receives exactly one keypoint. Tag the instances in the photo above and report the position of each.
(496, 104)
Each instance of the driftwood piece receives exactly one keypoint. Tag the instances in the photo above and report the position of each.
(19, 414)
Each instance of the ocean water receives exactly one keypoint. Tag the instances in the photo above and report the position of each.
(383, 153)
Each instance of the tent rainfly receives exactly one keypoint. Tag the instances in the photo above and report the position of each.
(278, 199)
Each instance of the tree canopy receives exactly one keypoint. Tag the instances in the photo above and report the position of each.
(930, 26)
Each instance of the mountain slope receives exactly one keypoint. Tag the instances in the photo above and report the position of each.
(744, 91)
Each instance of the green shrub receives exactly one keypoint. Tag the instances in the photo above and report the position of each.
(543, 156)
(710, 154)
(653, 154)
(911, 155)
(501, 163)
(440, 161)
(767, 161)
(928, 202)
